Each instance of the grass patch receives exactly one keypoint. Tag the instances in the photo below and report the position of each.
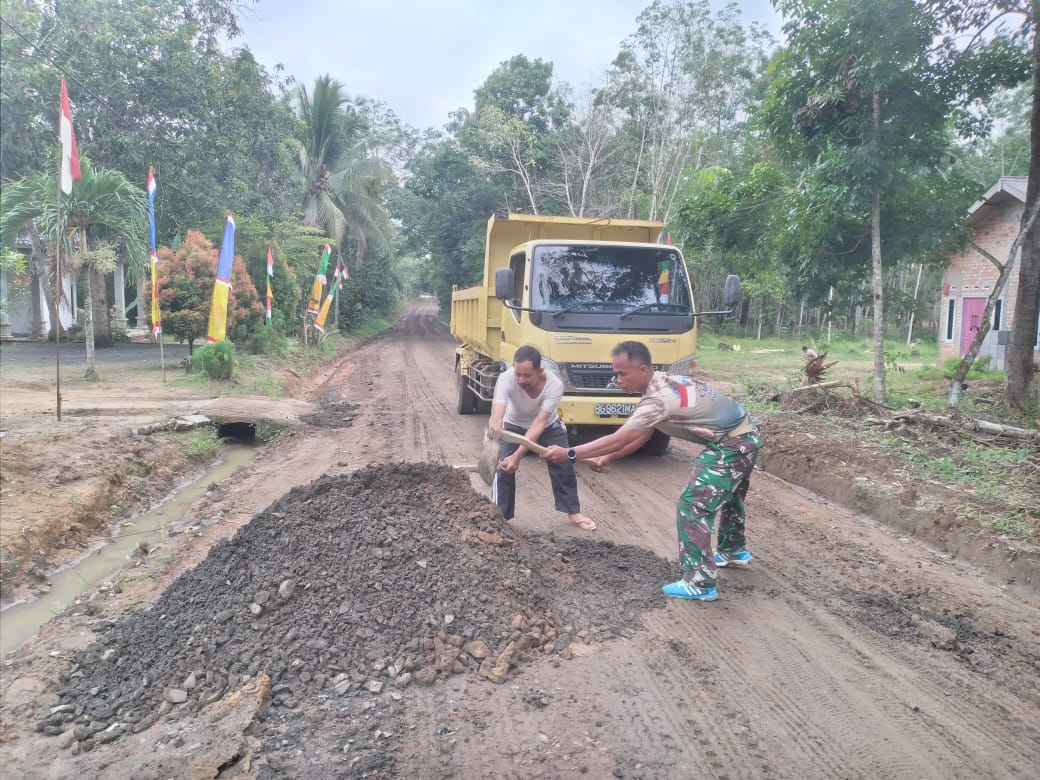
(203, 443)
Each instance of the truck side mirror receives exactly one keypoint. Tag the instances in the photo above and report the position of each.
(505, 284)
(732, 292)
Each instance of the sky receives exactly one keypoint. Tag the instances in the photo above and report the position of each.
(424, 58)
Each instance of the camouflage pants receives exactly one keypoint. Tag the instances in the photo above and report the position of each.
(719, 482)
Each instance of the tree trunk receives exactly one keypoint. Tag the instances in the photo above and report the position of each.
(917, 289)
(877, 279)
(101, 310)
(1020, 388)
(88, 313)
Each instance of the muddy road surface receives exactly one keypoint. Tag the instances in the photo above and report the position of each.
(410, 632)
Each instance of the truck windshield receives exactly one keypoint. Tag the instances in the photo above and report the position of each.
(609, 279)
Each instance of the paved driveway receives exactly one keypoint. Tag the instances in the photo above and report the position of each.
(74, 354)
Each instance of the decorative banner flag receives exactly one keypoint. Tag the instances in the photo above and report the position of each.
(270, 275)
(156, 316)
(319, 323)
(70, 171)
(319, 282)
(154, 258)
(222, 286)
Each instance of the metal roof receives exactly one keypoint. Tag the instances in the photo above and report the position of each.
(1007, 188)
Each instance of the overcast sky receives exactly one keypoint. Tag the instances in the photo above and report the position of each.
(424, 58)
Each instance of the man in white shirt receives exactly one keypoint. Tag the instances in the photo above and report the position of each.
(526, 397)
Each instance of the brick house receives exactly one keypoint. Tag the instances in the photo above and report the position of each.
(969, 278)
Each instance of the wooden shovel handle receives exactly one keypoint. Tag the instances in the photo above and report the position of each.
(501, 434)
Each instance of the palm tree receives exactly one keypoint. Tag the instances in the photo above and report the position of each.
(103, 206)
(340, 184)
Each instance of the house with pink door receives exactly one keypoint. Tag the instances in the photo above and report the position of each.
(969, 278)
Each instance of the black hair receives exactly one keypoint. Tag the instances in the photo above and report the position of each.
(636, 351)
(528, 354)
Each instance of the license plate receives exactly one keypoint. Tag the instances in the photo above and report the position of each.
(614, 410)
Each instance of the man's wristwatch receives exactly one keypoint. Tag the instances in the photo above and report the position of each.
(572, 455)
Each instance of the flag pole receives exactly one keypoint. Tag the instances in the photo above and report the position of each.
(162, 358)
(57, 289)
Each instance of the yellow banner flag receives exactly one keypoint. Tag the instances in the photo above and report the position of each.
(314, 302)
(156, 316)
(319, 322)
(218, 312)
(222, 286)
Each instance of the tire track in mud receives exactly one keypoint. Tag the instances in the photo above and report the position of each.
(779, 678)
(903, 681)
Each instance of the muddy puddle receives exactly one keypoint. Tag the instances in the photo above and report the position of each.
(21, 621)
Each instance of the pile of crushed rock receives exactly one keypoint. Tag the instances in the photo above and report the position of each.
(393, 575)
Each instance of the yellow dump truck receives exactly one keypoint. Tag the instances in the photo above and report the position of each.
(574, 288)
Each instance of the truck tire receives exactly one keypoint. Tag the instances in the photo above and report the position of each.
(467, 400)
(657, 444)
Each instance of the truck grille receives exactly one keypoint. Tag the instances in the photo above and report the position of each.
(589, 376)
(593, 376)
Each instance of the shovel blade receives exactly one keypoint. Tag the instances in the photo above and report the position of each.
(488, 463)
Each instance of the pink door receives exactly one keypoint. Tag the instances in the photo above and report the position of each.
(971, 319)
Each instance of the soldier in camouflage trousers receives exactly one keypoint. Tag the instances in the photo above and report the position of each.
(719, 482)
(691, 409)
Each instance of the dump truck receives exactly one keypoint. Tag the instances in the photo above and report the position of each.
(574, 288)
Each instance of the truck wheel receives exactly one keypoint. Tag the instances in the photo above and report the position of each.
(657, 444)
(467, 401)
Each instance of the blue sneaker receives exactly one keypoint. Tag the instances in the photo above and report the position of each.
(739, 558)
(687, 590)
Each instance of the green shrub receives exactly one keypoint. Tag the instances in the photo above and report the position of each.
(268, 340)
(217, 360)
(979, 369)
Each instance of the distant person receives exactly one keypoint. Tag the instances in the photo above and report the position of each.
(526, 397)
(809, 354)
(687, 408)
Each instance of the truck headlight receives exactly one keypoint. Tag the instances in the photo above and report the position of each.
(684, 367)
(552, 365)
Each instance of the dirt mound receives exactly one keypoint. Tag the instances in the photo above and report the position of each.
(395, 574)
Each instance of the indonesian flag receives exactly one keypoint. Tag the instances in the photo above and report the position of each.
(70, 171)
(270, 274)
(314, 303)
(319, 323)
(222, 286)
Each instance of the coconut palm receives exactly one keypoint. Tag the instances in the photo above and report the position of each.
(340, 184)
(104, 214)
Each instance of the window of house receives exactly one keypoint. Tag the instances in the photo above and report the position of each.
(949, 319)
(998, 312)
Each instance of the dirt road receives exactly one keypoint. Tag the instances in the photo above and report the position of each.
(845, 650)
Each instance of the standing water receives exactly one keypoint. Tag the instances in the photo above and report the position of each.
(21, 621)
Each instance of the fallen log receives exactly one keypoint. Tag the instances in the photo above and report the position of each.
(961, 424)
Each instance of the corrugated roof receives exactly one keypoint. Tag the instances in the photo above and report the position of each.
(1007, 188)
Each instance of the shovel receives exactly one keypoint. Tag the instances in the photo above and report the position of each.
(488, 463)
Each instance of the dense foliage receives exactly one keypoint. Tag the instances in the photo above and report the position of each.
(831, 171)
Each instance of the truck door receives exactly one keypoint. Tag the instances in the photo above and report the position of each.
(511, 338)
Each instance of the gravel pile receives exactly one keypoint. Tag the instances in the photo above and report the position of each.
(395, 575)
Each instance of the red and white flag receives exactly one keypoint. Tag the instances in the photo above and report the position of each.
(67, 136)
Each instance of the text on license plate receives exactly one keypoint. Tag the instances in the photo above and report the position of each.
(614, 410)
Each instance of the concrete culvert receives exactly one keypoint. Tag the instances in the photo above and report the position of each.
(347, 590)
(242, 432)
